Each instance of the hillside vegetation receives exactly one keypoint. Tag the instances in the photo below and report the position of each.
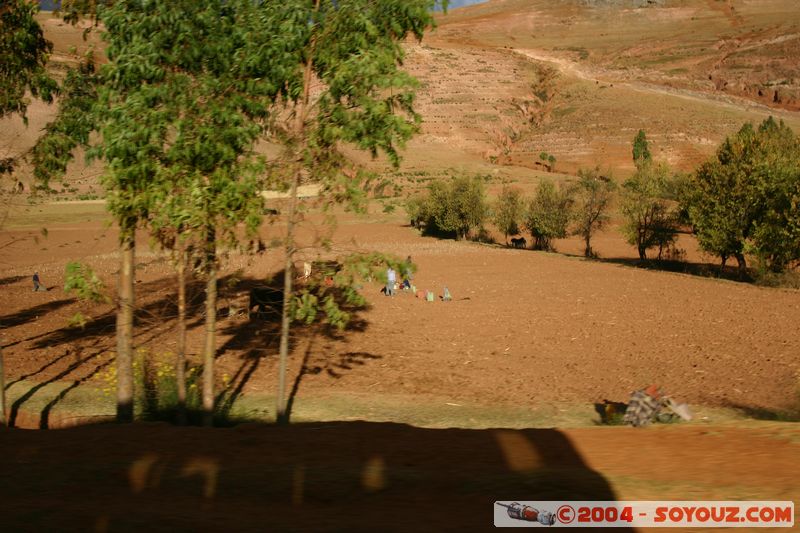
(690, 72)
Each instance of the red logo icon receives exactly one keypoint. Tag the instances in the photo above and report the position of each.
(565, 514)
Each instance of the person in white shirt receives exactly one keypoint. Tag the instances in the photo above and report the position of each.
(391, 279)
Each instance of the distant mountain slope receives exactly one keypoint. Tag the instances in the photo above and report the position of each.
(747, 48)
(689, 73)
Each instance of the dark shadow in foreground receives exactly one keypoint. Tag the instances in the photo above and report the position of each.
(340, 476)
(762, 413)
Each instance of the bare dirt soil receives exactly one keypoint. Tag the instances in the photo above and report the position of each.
(525, 328)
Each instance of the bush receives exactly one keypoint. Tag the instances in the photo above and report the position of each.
(747, 199)
(548, 215)
(593, 194)
(651, 214)
(83, 282)
(156, 388)
(548, 160)
(455, 207)
(416, 208)
(641, 150)
(509, 210)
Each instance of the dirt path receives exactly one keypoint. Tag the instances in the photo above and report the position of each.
(575, 69)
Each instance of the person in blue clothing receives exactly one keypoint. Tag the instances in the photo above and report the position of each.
(37, 283)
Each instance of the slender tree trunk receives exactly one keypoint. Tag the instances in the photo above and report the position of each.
(180, 357)
(211, 327)
(587, 251)
(125, 306)
(281, 414)
(2, 387)
(286, 319)
(742, 265)
(641, 247)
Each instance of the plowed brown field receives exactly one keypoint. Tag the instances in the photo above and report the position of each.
(525, 328)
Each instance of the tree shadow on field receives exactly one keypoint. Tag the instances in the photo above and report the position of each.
(762, 413)
(702, 270)
(11, 280)
(259, 337)
(83, 347)
(32, 313)
(334, 367)
(253, 339)
(147, 317)
(78, 362)
(340, 476)
(259, 333)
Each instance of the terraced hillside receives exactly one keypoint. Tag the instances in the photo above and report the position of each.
(687, 72)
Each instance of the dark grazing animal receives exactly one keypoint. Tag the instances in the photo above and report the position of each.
(519, 242)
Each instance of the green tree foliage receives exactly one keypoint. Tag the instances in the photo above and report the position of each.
(333, 302)
(641, 150)
(190, 85)
(593, 195)
(746, 198)
(650, 209)
(82, 281)
(336, 64)
(548, 215)
(181, 109)
(416, 208)
(74, 122)
(456, 206)
(23, 56)
(508, 212)
(776, 235)
(177, 107)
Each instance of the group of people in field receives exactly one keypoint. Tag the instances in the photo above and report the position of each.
(407, 277)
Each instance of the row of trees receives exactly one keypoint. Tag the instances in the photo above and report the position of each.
(744, 201)
(459, 207)
(23, 58)
(187, 90)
